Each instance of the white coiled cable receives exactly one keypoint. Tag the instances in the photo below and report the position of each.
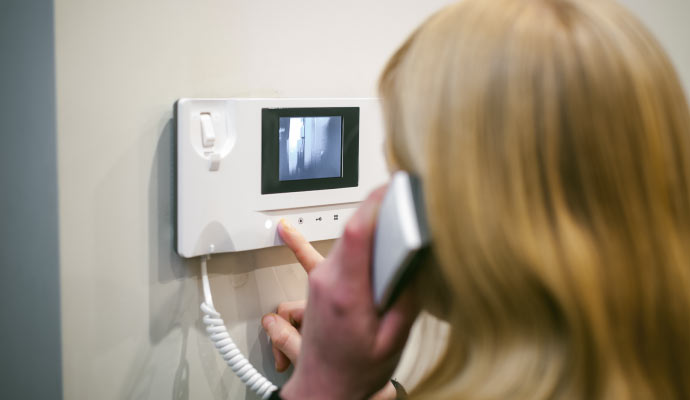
(215, 327)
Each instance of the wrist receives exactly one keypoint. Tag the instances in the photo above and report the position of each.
(316, 387)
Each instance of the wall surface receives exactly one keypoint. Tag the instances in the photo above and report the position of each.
(130, 306)
(130, 317)
(668, 21)
(29, 260)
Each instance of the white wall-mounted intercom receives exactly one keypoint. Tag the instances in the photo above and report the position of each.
(243, 164)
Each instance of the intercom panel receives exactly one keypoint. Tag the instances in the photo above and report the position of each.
(243, 164)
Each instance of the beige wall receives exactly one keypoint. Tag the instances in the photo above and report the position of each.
(668, 20)
(130, 316)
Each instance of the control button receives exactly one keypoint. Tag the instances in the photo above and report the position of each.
(319, 219)
(335, 217)
(214, 162)
(268, 224)
(208, 135)
(300, 220)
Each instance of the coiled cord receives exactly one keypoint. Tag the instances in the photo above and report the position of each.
(215, 327)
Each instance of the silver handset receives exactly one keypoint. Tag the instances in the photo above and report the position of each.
(401, 238)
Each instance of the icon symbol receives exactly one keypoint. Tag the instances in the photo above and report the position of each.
(319, 219)
(335, 217)
(300, 220)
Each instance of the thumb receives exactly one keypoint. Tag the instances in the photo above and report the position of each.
(283, 335)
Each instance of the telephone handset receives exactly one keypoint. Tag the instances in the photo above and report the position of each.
(401, 240)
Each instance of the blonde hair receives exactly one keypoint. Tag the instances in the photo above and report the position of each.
(553, 138)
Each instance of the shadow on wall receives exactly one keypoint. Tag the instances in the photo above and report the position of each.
(171, 287)
(257, 280)
(172, 292)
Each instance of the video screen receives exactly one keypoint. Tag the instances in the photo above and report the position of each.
(310, 148)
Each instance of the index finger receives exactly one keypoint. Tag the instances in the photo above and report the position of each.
(306, 253)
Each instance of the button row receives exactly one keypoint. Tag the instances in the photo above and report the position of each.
(300, 220)
(268, 224)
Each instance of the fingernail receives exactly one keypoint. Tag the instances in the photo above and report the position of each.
(267, 321)
(286, 225)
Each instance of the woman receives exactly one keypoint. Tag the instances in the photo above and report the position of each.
(553, 140)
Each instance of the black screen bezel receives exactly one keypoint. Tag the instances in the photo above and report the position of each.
(349, 177)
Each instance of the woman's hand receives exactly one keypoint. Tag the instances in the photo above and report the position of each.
(347, 350)
(283, 329)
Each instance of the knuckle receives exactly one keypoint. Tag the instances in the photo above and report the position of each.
(353, 231)
(281, 338)
(318, 264)
(323, 289)
(341, 302)
(316, 283)
(334, 297)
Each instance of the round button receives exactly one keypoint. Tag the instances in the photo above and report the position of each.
(268, 224)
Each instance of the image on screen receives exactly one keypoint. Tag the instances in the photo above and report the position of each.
(310, 148)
